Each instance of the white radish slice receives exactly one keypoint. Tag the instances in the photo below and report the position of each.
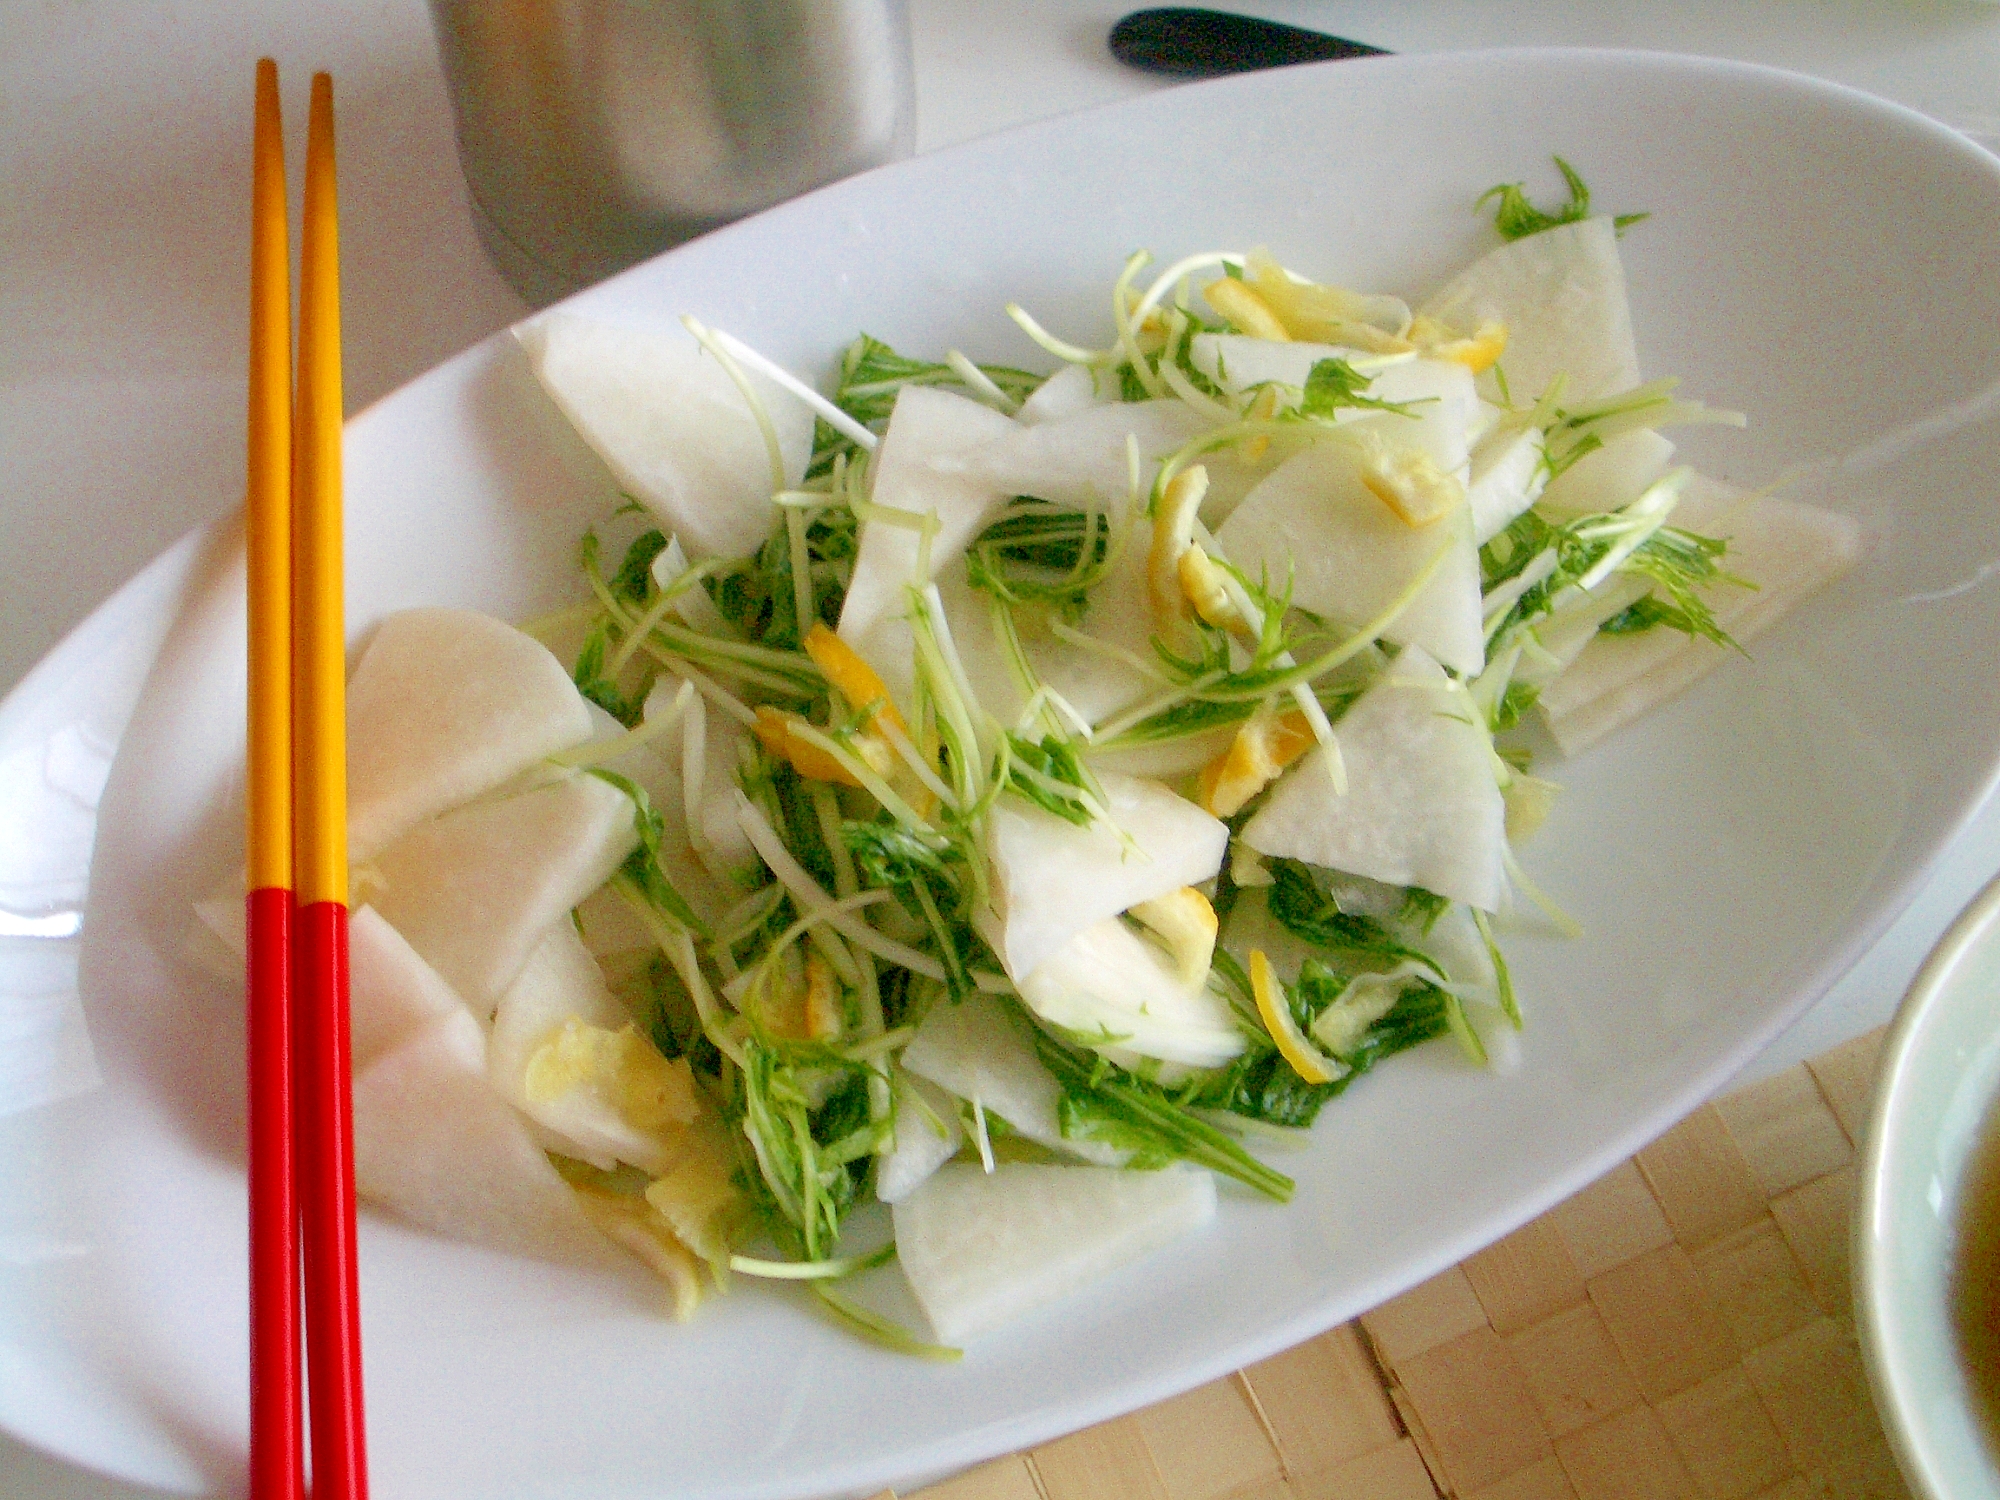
(1421, 806)
(982, 1250)
(562, 983)
(711, 748)
(1507, 478)
(974, 1050)
(925, 426)
(1610, 478)
(1790, 550)
(1109, 982)
(1444, 409)
(1444, 413)
(434, 1142)
(1561, 294)
(1349, 556)
(447, 704)
(672, 427)
(1052, 878)
(1120, 614)
(1065, 393)
(475, 890)
(1236, 361)
(927, 1136)
(391, 990)
(1080, 460)
(655, 767)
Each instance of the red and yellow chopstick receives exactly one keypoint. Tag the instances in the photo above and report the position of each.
(301, 1104)
(325, 1122)
(276, 1455)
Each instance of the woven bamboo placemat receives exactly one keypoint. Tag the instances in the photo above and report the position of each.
(1679, 1330)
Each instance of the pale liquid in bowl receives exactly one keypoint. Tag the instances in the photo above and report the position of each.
(1976, 1282)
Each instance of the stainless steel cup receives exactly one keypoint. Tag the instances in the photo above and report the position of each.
(594, 133)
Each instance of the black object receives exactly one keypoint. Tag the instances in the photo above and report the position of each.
(1189, 42)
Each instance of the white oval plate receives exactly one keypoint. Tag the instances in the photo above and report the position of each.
(1817, 258)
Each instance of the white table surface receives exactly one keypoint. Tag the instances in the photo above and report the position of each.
(124, 171)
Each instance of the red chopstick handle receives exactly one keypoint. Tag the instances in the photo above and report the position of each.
(277, 1454)
(325, 1128)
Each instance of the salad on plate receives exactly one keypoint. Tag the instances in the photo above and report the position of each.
(1021, 801)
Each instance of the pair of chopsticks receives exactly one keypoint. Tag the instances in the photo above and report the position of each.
(300, 1101)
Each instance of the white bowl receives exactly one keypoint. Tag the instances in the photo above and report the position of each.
(1936, 1092)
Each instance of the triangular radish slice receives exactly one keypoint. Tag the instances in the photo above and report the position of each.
(1561, 295)
(973, 1049)
(981, 1250)
(434, 1142)
(1052, 878)
(927, 1136)
(447, 704)
(672, 426)
(1610, 478)
(1442, 411)
(1507, 477)
(475, 890)
(1063, 394)
(1237, 362)
(925, 426)
(1421, 806)
(1109, 982)
(655, 766)
(391, 990)
(560, 984)
(1080, 460)
(1349, 556)
(1790, 550)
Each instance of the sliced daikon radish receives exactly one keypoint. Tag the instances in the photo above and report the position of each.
(1109, 983)
(475, 889)
(1098, 683)
(1421, 806)
(1052, 878)
(1454, 940)
(1561, 294)
(1349, 556)
(1790, 550)
(1080, 460)
(974, 1050)
(981, 1250)
(1561, 638)
(560, 1052)
(1236, 361)
(655, 767)
(1507, 477)
(712, 745)
(925, 426)
(391, 990)
(447, 704)
(1610, 478)
(1063, 394)
(1443, 411)
(672, 426)
(434, 1142)
(693, 605)
(927, 1136)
